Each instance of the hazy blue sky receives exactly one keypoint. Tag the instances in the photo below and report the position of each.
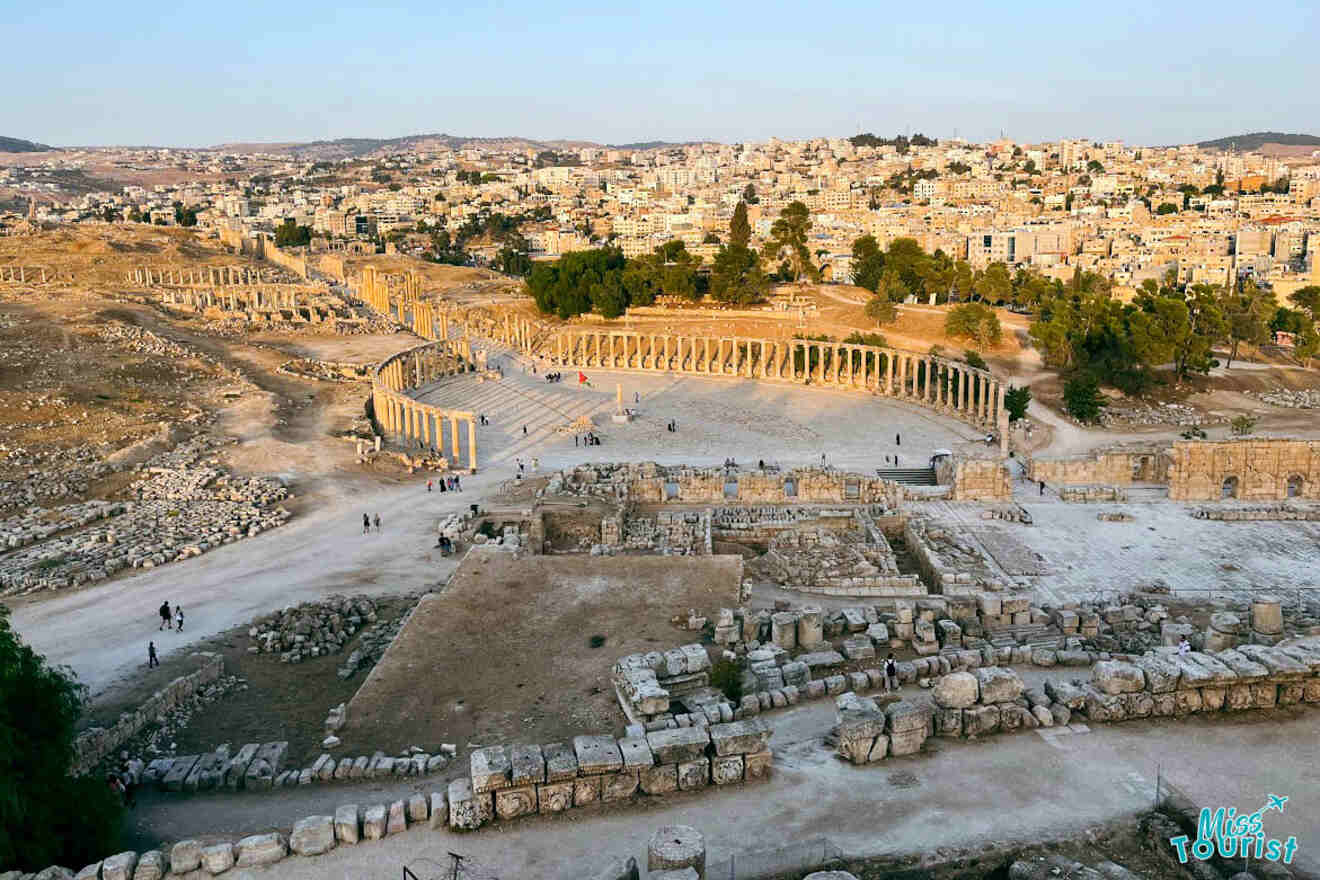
(196, 73)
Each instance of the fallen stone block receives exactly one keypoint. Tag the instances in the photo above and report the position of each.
(375, 821)
(998, 685)
(491, 769)
(554, 797)
(560, 762)
(218, 857)
(185, 856)
(980, 720)
(587, 790)
(677, 745)
(119, 866)
(957, 690)
(740, 737)
(659, 779)
(348, 820)
(397, 821)
(261, 849)
(468, 810)
(597, 755)
(312, 836)
(151, 865)
(1114, 677)
(694, 774)
(510, 803)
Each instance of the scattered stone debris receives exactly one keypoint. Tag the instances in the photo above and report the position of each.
(1308, 398)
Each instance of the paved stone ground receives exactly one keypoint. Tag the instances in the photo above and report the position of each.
(1019, 787)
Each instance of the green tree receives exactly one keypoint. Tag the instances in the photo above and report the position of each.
(974, 360)
(1247, 314)
(1082, 398)
(749, 195)
(994, 285)
(788, 240)
(711, 238)
(1307, 298)
(881, 310)
(1167, 208)
(1206, 325)
(868, 262)
(1095, 167)
(290, 234)
(740, 231)
(46, 816)
(975, 321)
(1016, 401)
(736, 277)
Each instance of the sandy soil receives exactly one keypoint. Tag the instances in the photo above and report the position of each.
(505, 653)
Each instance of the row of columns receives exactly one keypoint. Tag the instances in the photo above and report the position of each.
(966, 392)
(209, 276)
(417, 422)
(20, 273)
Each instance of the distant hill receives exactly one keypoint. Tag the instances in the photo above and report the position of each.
(17, 145)
(650, 145)
(353, 148)
(1257, 139)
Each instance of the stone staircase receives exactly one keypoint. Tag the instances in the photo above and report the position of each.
(908, 476)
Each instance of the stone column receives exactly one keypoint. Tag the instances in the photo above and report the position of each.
(966, 394)
(453, 427)
(902, 376)
(472, 444)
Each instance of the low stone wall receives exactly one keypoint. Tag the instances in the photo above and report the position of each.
(1091, 494)
(1109, 467)
(651, 483)
(1282, 512)
(96, 743)
(511, 781)
(947, 565)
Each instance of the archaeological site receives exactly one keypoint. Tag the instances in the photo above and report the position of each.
(365, 565)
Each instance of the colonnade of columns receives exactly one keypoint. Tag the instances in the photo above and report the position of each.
(22, 274)
(206, 276)
(954, 387)
(417, 422)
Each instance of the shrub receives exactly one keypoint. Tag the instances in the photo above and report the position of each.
(1016, 401)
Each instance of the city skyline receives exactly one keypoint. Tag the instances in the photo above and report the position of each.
(1144, 74)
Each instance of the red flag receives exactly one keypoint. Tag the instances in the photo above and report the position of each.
(582, 379)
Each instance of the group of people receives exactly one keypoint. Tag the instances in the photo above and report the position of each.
(554, 377)
(444, 545)
(447, 484)
(672, 426)
(168, 620)
(366, 524)
(588, 439)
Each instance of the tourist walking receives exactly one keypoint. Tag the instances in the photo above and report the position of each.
(378, 523)
(178, 617)
(1184, 646)
(891, 673)
(428, 485)
(898, 440)
(1042, 487)
(165, 615)
(524, 430)
(366, 524)
(151, 655)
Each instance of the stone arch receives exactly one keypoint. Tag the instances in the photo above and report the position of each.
(1296, 486)
(1229, 489)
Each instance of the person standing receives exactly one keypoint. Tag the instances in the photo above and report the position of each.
(366, 524)
(458, 483)
(165, 615)
(898, 440)
(378, 523)
(891, 673)
(151, 655)
(428, 485)
(1042, 487)
(178, 617)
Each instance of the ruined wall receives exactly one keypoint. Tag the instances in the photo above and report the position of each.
(333, 266)
(292, 262)
(231, 238)
(805, 485)
(95, 743)
(981, 479)
(1250, 469)
(1109, 467)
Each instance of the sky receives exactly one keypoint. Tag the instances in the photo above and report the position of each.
(199, 74)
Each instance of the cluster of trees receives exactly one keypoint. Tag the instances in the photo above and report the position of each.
(902, 142)
(46, 816)
(605, 281)
(475, 177)
(290, 234)
(1096, 340)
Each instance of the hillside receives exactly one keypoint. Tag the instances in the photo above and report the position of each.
(1256, 139)
(352, 148)
(18, 145)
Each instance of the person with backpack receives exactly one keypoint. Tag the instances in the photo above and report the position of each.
(891, 673)
(165, 617)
